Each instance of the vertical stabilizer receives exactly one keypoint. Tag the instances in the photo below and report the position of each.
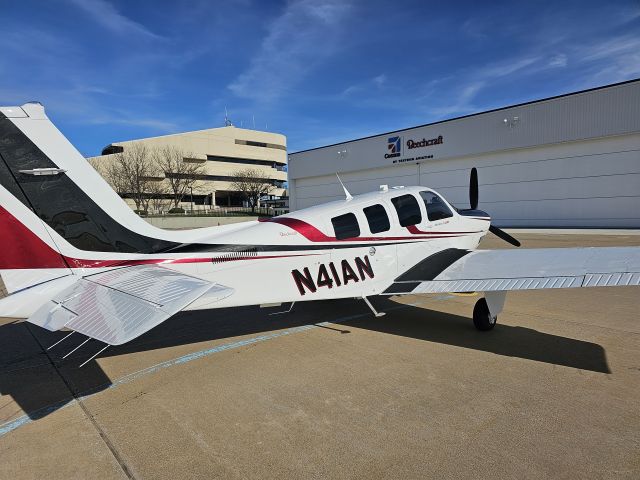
(54, 182)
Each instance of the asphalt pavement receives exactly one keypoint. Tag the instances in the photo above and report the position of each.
(330, 391)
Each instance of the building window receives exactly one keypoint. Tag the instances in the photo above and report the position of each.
(244, 161)
(345, 226)
(436, 208)
(111, 149)
(256, 144)
(251, 143)
(377, 218)
(408, 210)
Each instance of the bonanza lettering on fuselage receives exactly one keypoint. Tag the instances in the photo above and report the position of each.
(327, 276)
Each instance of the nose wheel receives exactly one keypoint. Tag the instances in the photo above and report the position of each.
(482, 318)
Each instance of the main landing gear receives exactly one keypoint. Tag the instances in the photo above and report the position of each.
(486, 310)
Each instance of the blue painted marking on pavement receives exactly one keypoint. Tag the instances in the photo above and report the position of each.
(41, 412)
(26, 419)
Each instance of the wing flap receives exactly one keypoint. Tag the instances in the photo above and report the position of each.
(154, 284)
(122, 304)
(527, 269)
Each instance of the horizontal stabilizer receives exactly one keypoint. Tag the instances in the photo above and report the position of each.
(119, 305)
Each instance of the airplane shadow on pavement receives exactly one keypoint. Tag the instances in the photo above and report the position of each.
(40, 383)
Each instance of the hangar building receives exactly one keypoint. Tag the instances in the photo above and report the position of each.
(566, 161)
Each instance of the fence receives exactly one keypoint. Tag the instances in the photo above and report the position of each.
(221, 212)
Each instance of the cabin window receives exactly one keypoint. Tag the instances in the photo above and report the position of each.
(377, 218)
(346, 226)
(408, 210)
(436, 208)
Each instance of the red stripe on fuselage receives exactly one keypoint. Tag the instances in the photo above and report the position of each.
(21, 249)
(313, 234)
(82, 263)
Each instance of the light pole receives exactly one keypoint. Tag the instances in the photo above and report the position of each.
(191, 188)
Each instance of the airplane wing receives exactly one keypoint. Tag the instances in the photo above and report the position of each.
(119, 305)
(455, 270)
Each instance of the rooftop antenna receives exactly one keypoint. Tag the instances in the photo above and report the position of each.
(346, 192)
(227, 122)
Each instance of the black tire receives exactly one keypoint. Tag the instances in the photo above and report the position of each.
(482, 319)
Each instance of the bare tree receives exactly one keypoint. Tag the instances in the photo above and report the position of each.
(182, 175)
(98, 166)
(131, 173)
(112, 172)
(253, 184)
(116, 176)
(128, 173)
(157, 192)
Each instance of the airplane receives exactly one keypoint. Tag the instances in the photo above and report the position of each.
(75, 257)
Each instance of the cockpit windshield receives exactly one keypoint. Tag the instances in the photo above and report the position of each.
(436, 208)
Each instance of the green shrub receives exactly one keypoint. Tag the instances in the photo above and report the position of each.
(176, 210)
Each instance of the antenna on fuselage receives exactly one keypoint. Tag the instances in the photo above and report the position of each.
(346, 192)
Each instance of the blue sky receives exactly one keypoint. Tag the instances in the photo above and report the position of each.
(318, 71)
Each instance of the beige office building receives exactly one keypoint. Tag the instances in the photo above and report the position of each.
(223, 151)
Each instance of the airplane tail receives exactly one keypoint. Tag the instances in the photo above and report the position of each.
(54, 205)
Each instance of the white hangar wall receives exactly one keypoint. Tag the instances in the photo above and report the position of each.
(569, 161)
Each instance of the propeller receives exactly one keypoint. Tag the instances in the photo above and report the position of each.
(473, 189)
(504, 236)
(473, 203)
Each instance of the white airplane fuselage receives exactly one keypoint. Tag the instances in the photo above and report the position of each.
(291, 258)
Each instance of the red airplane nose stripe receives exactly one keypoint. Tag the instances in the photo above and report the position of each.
(303, 228)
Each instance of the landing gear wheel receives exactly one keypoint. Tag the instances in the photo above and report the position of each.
(482, 318)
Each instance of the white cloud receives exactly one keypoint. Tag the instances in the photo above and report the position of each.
(463, 102)
(480, 78)
(126, 118)
(559, 60)
(297, 41)
(475, 28)
(504, 68)
(106, 14)
(610, 48)
(380, 81)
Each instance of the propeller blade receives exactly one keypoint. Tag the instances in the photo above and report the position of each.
(504, 236)
(473, 189)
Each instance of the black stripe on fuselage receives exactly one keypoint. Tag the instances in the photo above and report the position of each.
(63, 205)
(425, 270)
(432, 266)
(397, 288)
(221, 247)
